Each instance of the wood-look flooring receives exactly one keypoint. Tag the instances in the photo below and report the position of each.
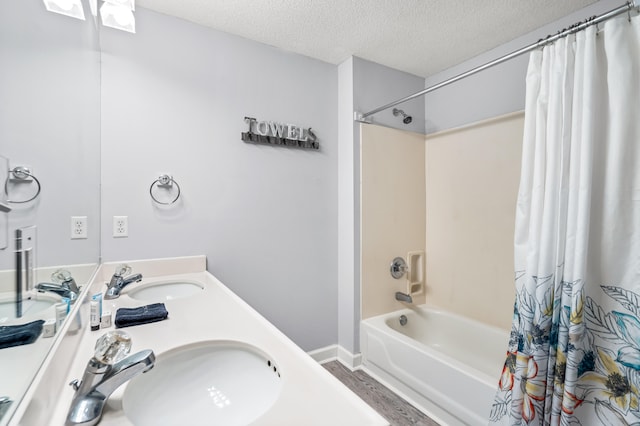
(394, 409)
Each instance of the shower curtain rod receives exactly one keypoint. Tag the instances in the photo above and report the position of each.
(627, 7)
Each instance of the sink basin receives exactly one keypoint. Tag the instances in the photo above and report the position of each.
(207, 383)
(164, 290)
(31, 308)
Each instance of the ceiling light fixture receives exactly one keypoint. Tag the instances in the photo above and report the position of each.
(119, 14)
(71, 8)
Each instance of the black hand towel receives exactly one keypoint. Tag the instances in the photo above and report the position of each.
(16, 335)
(126, 317)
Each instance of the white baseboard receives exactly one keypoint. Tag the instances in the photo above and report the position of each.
(326, 354)
(337, 352)
(351, 361)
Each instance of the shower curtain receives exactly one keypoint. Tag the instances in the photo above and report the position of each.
(574, 351)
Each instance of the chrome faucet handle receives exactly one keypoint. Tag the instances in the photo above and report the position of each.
(64, 277)
(112, 347)
(60, 276)
(398, 268)
(122, 270)
(108, 369)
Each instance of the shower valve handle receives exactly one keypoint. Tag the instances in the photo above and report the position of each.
(398, 268)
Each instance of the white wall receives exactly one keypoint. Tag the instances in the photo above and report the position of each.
(49, 120)
(495, 91)
(174, 98)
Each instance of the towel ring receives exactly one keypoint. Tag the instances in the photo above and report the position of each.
(21, 173)
(166, 181)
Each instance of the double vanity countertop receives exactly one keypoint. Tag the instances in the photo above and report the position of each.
(308, 394)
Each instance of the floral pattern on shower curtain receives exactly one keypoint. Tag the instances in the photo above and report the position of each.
(574, 351)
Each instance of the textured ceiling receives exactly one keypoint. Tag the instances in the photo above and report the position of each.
(422, 37)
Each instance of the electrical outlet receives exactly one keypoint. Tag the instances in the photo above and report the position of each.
(78, 227)
(120, 226)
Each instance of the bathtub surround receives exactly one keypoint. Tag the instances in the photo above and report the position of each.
(462, 216)
(393, 212)
(472, 176)
(571, 359)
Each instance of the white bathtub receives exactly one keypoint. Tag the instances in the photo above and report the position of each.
(447, 364)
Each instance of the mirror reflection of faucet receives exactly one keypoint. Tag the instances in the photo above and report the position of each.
(62, 284)
(57, 289)
(5, 403)
(119, 281)
(63, 277)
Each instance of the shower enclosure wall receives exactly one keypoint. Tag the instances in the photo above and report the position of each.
(451, 194)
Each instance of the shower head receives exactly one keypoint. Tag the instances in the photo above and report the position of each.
(406, 118)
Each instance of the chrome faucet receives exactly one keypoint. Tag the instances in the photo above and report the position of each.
(5, 403)
(403, 297)
(62, 284)
(59, 289)
(119, 281)
(102, 376)
(64, 277)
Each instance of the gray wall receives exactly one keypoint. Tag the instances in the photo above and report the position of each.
(495, 91)
(174, 96)
(348, 245)
(50, 121)
(364, 85)
(375, 85)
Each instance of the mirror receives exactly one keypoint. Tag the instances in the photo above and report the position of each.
(49, 126)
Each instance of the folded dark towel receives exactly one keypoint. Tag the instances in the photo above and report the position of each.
(16, 335)
(126, 317)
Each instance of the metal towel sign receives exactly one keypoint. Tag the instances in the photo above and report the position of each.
(278, 134)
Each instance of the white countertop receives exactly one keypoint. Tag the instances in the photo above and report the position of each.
(309, 396)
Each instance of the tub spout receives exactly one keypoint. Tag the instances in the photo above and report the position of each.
(403, 297)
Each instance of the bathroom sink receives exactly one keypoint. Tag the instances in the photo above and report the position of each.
(31, 308)
(164, 290)
(214, 383)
